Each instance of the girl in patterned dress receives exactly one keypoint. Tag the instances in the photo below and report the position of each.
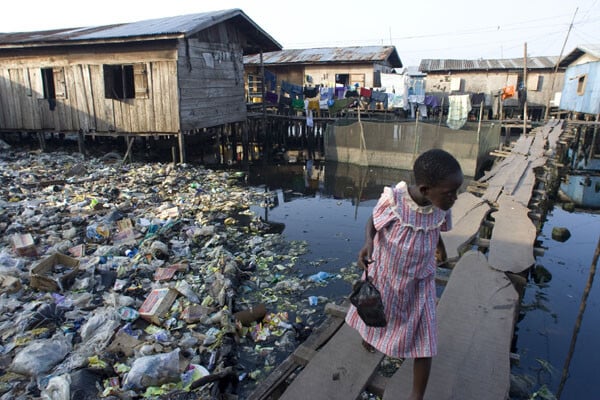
(402, 239)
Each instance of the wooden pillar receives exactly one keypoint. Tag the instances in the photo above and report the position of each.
(244, 128)
(181, 143)
(81, 143)
(42, 141)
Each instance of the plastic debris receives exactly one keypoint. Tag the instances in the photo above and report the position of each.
(125, 233)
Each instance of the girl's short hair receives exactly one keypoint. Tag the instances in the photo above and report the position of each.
(433, 166)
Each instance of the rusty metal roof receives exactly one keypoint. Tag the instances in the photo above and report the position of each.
(592, 49)
(430, 65)
(178, 26)
(356, 54)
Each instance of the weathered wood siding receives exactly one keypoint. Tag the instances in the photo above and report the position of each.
(81, 103)
(211, 78)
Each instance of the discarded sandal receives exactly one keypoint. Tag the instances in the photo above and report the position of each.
(368, 347)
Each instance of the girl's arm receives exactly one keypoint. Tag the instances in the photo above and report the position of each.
(440, 252)
(364, 255)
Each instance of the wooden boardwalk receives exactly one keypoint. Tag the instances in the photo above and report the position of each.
(476, 312)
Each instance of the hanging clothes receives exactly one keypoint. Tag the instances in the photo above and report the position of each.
(458, 110)
(271, 97)
(270, 80)
(508, 91)
(311, 91)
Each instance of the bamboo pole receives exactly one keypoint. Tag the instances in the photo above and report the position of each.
(582, 306)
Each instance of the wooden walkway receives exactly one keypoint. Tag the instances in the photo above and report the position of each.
(476, 312)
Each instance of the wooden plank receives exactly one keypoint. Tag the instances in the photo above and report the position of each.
(467, 214)
(276, 378)
(476, 315)
(524, 190)
(340, 370)
(522, 145)
(516, 172)
(513, 237)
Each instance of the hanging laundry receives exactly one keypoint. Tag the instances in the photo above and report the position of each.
(508, 91)
(458, 110)
(271, 97)
(311, 91)
(379, 96)
(351, 93)
(326, 93)
(364, 92)
(397, 100)
(313, 105)
(477, 99)
(340, 92)
(339, 105)
(270, 80)
(291, 88)
(298, 104)
(432, 101)
(309, 118)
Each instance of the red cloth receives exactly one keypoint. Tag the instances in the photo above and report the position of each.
(364, 92)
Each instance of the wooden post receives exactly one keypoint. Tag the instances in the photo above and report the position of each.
(525, 89)
(42, 141)
(594, 138)
(81, 142)
(267, 151)
(181, 140)
(479, 123)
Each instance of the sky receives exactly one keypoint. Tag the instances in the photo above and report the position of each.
(425, 29)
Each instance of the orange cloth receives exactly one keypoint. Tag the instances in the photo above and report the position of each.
(508, 91)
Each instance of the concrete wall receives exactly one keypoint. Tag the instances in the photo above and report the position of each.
(396, 145)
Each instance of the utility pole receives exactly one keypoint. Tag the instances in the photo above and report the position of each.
(557, 64)
(524, 91)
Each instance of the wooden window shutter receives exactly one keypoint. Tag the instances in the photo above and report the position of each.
(60, 86)
(140, 79)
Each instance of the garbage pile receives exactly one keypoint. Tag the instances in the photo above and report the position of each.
(134, 280)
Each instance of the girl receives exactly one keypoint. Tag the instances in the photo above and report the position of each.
(402, 238)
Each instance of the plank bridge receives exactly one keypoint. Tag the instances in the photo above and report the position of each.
(491, 248)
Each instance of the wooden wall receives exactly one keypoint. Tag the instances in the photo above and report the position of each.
(84, 106)
(211, 78)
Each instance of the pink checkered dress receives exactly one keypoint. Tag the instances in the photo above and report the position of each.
(404, 272)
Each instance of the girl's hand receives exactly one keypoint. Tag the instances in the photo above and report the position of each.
(364, 256)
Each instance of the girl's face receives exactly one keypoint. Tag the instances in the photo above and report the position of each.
(444, 194)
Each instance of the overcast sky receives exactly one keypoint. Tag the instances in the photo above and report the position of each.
(459, 29)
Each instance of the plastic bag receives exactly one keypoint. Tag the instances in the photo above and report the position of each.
(367, 300)
(40, 356)
(153, 370)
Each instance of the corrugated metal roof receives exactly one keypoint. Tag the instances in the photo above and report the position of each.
(328, 55)
(183, 25)
(430, 65)
(592, 49)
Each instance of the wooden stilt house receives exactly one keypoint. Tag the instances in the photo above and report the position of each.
(169, 76)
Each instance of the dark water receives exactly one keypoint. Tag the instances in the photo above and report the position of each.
(329, 213)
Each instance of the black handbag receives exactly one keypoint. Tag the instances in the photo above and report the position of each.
(367, 300)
